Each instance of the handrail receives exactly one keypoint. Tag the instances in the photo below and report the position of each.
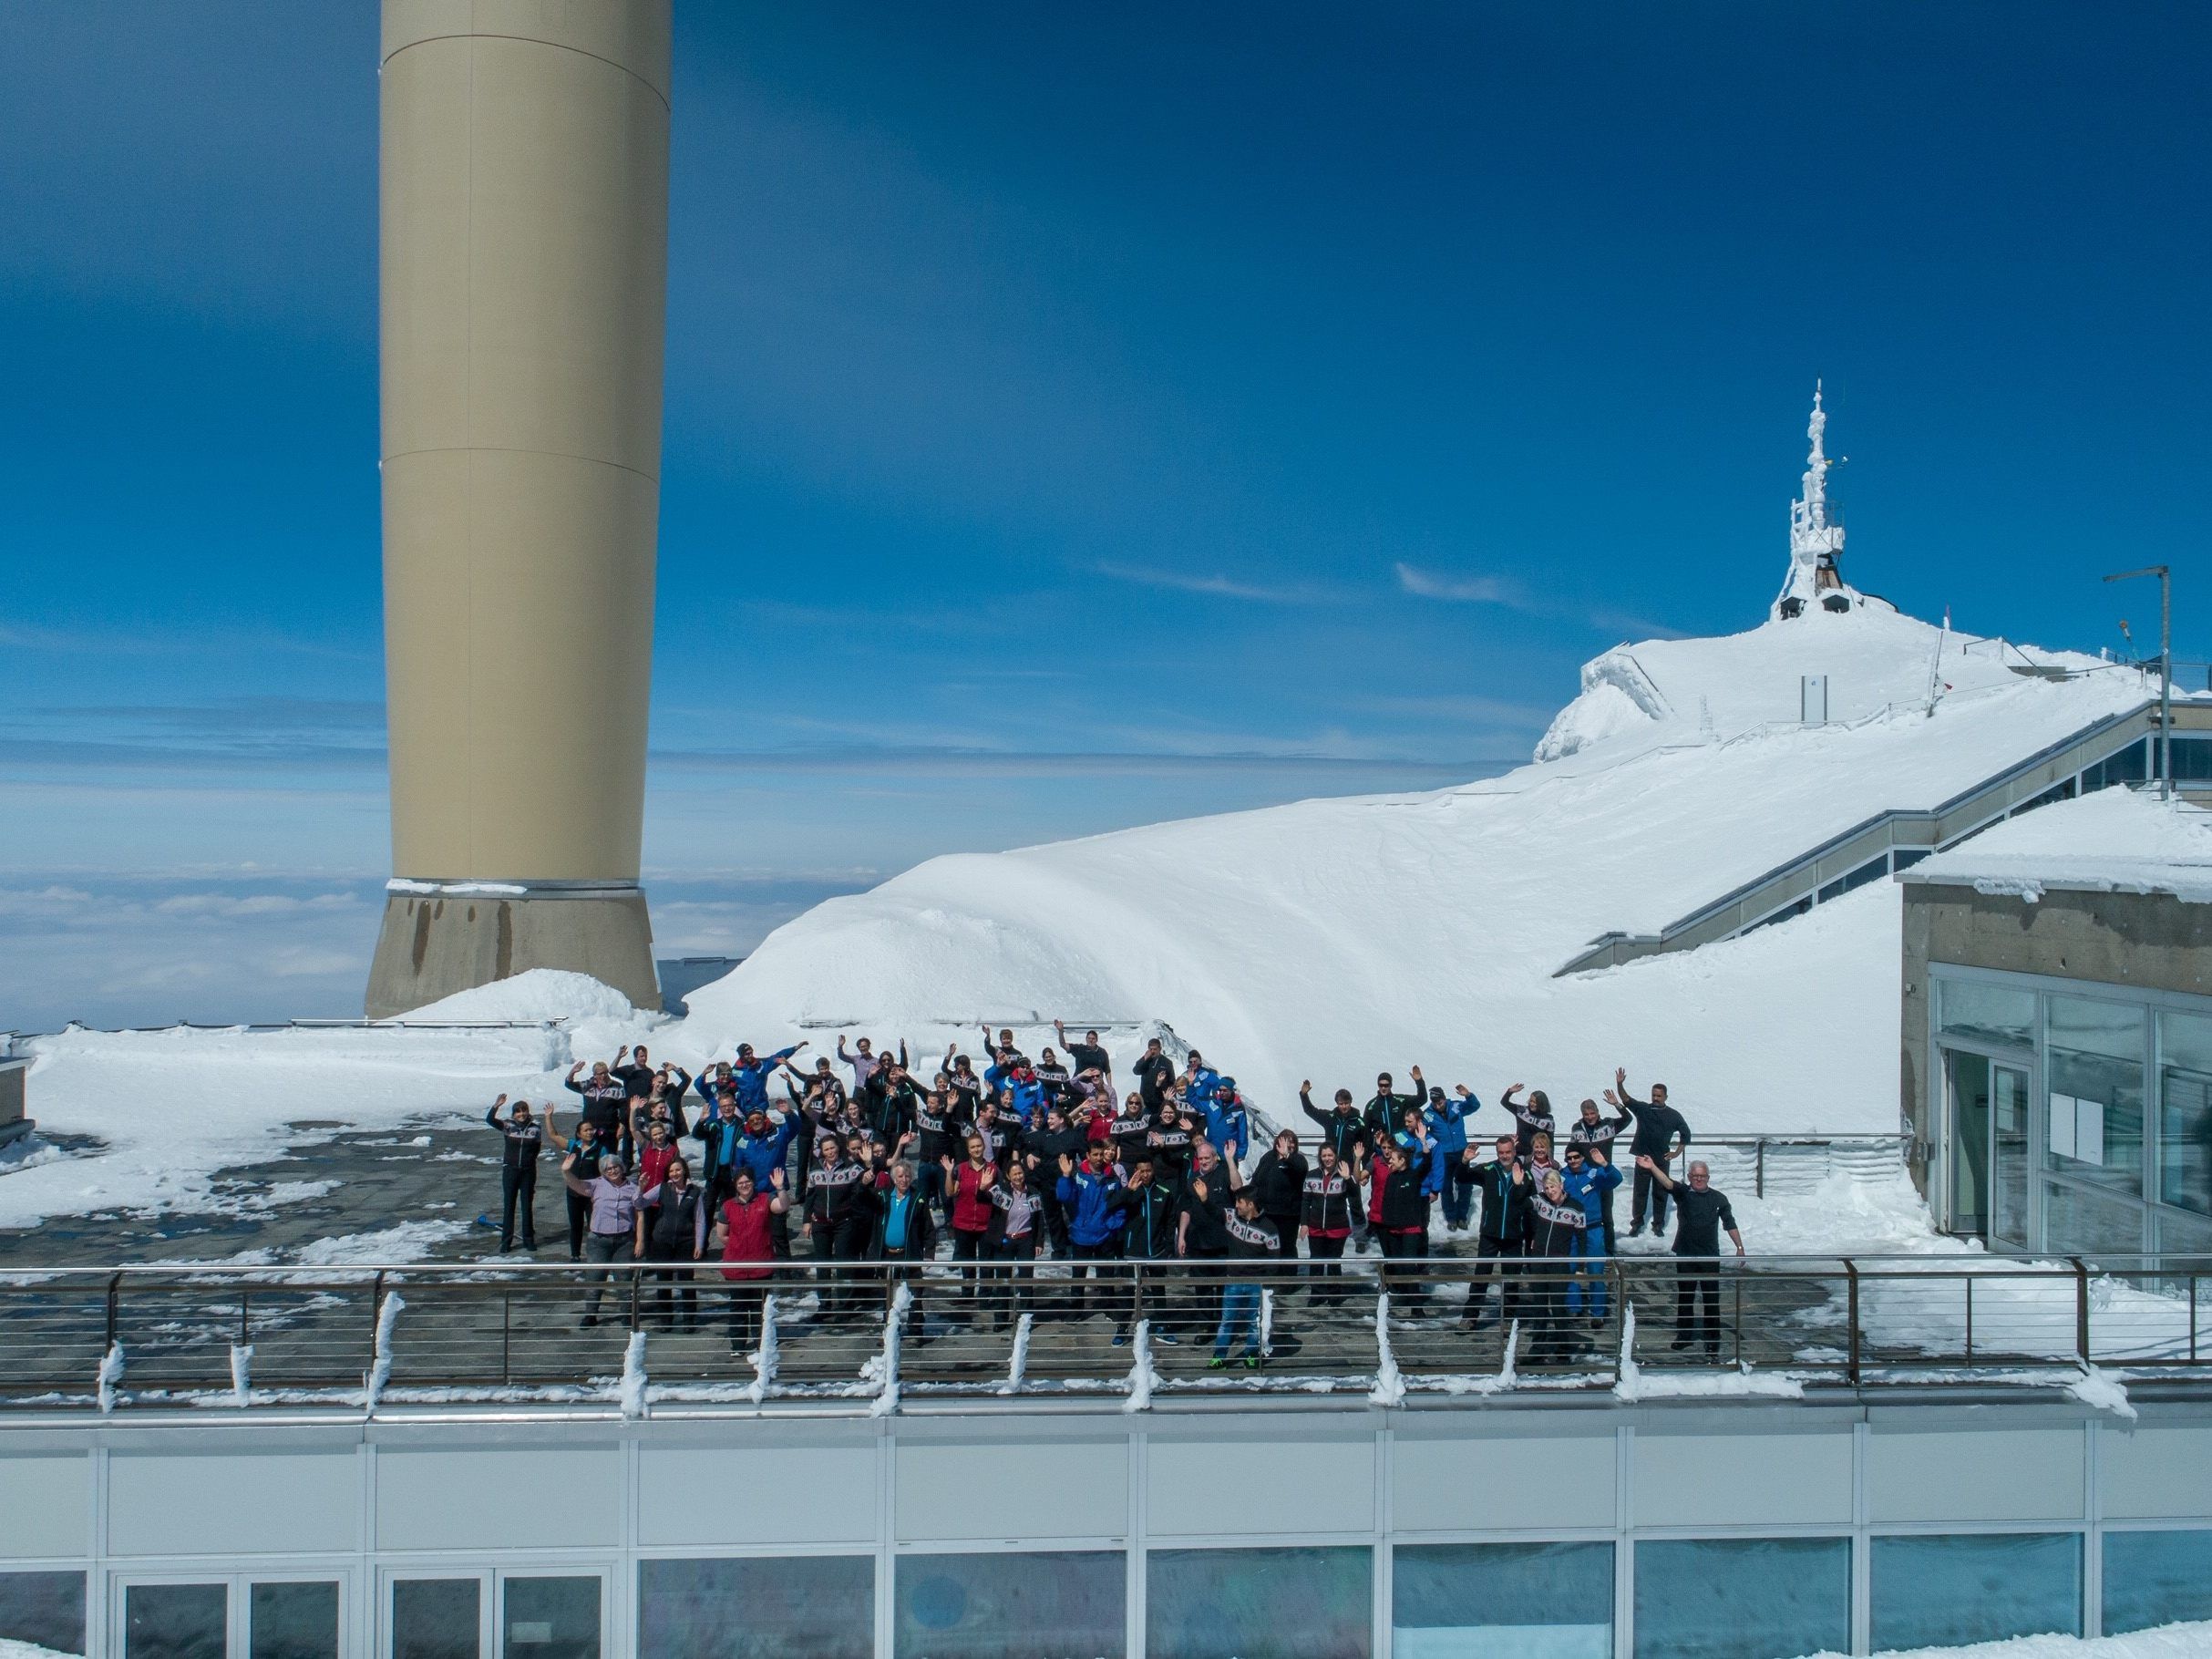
(1605, 944)
(146, 1333)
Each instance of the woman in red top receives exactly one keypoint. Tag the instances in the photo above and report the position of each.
(969, 1185)
(742, 1231)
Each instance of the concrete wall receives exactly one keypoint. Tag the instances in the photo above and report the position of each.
(2150, 942)
(584, 1490)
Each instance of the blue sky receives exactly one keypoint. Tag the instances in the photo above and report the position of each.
(1076, 416)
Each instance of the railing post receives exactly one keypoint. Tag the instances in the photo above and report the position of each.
(507, 1320)
(375, 1315)
(1758, 1180)
(2081, 1308)
(1851, 1349)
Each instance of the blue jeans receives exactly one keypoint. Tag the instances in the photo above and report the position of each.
(1240, 1318)
(1590, 1268)
(1458, 1193)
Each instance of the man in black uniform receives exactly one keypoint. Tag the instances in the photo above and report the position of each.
(525, 1139)
(1502, 1181)
(1657, 1125)
(1702, 1214)
(1085, 1055)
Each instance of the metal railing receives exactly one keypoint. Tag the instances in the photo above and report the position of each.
(144, 1336)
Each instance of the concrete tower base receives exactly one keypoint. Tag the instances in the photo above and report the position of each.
(440, 937)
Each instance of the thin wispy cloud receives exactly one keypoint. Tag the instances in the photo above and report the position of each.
(1458, 590)
(1217, 586)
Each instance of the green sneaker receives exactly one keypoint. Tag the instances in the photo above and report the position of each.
(1218, 1362)
(1251, 1362)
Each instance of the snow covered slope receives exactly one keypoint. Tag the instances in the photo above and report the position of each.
(1331, 938)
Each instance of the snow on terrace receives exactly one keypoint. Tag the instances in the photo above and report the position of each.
(1330, 938)
(2117, 841)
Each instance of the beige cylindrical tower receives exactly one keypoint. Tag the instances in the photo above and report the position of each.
(524, 207)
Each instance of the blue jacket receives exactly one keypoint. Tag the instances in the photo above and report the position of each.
(752, 1081)
(1092, 1218)
(1203, 1083)
(757, 1153)
(1590, 1188)
(1027, 1099)
(1450, 1124)
(1226, 1126)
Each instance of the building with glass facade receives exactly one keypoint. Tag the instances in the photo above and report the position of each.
(2057, 1053)
(1284, 1528)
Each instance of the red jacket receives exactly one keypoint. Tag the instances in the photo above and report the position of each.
(652, 1164)
(970, 1205)
(747, 1241)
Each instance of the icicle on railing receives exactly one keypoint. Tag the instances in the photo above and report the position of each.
(1267, 1321)
(1143, 1377)
(380, 1364)
(1017, 1366)
(1508, 1370)
(1629, 1383)
(763, 1357)
(1389, 1386)
(886, 1364)
(241, 1374)
(110, 1375)
(632, 1390)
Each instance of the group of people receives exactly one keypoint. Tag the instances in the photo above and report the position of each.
(999, 1159)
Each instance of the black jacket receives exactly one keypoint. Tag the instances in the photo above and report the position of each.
(1279, 1185)
(1701, 1218)
(524, 1141)
(1342, 1130)
(1149, 1233)
(1329, 1204)
(1655, 1125)
(921, 1230)
(1504, 1201)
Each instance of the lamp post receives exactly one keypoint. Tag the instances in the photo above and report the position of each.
(2165, 671)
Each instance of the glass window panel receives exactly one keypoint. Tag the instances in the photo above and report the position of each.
(2185, 1111)
(1259, 1603)
(176, 1621)
(1945, 1591)
(1502, 1602)
(806, 1607)
(44, 1609)
(436, 1619)
(1743, 1598)
(2156, 1578)
(551, 1618)
(2093, 1094)
(1975, 1008)
(292, 1620)
(2078, 1222)
(1063, 1606)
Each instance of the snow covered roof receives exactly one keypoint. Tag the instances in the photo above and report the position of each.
(1328, 938)
(2117, 841)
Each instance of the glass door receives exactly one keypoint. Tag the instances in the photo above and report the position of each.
(1969, 1142)
(2009, 1146)
(246, 1615)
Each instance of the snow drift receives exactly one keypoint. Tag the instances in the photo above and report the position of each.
(1330, 938)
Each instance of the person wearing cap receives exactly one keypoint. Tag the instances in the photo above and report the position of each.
(522, 1142)
(1590, 1179)
(611, 1197)
(1250, 1239)
(1228, 1125)
(749, 1074)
